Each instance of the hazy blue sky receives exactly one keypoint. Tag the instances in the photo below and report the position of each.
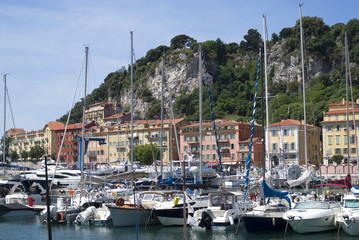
(42, 41)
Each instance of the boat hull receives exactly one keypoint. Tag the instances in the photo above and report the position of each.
(260, 223)
(350, 227)
(313, 225)
(125, 217)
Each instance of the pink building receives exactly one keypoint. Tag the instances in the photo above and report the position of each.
(233, 140)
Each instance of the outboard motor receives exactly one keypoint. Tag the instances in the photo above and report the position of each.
(206, 219)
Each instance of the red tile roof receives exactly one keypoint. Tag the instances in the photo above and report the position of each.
(13, 131)
(289, 122)
(55, 125)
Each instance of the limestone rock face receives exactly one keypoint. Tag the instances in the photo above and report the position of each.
(181, 76)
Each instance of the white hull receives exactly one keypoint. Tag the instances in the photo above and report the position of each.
(125, 217)
(313, 225)
(350, 227)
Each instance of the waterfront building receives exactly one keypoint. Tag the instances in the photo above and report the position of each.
(287, 143)
(70, 146)
(118, 140)
(99, 111)
(45, 138)
(233, 140)
(335, 132)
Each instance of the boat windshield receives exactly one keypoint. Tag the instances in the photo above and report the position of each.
(351, 204)
(312, 205)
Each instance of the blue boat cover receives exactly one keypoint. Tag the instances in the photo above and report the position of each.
(268, 193)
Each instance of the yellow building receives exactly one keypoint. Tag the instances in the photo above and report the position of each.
(118, 140)
(45, 138)
(99, 111)
(286, 143)
(335, 134)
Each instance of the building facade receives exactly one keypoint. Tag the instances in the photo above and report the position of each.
(118, 140)
(287, 143)
(45, 138)
(99, 111)
(233, 142)
(336, 132)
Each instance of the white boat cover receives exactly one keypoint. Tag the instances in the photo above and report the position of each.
(304, 178)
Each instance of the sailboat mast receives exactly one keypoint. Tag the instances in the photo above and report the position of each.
(83, 119)
(4, 137)
(269, 165)
(131, 100)
(161, 133)
(346, 85)
(303, 80)
(200, 110)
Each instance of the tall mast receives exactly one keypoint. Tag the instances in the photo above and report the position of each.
(131, 100)
(200, 111)
(4, 137)
(161, 133)
(303, 80)
(269, 165)
(346, 85)
(83, 119)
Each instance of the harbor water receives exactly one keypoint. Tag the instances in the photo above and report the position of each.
(34, 229)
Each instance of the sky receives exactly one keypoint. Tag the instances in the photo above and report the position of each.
(42, 42)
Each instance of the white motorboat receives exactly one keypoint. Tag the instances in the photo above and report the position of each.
(172, 214)
(16, 210)
(348, 217)
(312, 216)
(94, 216)
(223, 212)
(123, 214)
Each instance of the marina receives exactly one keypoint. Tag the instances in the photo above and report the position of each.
(130, 162)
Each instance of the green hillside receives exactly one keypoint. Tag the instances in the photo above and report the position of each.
(233, 67)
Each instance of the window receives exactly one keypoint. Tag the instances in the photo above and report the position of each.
(232, 146)
(345, 139)
(338, 151)
(208, 156)
(274, 133)
(330, 139)
(292, 132)
(285, 132)
(330, 151)
(274, 147)
(232, 156)
(285, 146)
(337, 139)
(345, 150)
(336, 117)
(207, 147)
(329, 128)
(352, 139)
(337, 128)
(232, 136)
(292, 146)
(353, 150)
(329, 117)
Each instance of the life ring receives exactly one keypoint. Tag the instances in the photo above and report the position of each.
(120, 202)
(114, 194)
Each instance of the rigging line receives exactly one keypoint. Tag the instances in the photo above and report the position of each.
(351, 94)
(67, 122)
(12, 115)
(248, 161)
(214, 123)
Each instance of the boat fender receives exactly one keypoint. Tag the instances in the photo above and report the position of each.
(114, 194)
(231, 220)
(120, 202)
(60, 216)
